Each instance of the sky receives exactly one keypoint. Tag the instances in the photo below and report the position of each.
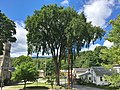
(99, 12)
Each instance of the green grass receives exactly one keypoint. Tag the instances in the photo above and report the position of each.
(102, 87)
(35, 86)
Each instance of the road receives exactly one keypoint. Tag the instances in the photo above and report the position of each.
(80, 87)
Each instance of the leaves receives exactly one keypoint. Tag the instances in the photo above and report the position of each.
(114, 35)
(112, 55)
(7, 30)
(26, 71)
(114, 80)
(21, 59)
(53, 28)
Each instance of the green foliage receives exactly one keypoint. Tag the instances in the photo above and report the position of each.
(81, 33)
(97, 52)
(50, 68)
(53, 28)
(87, 59)
(7, 30)
(45, 64)
(64, 65)
(114, 80)
(46, 31)
(26, 72)
(25, 69)
(112, 55)
(114, 35)
(21, 59)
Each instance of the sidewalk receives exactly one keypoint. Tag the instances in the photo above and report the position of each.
(10, 88)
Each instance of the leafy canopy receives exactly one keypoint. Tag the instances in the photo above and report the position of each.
(112, 55)
(53, 28)
(114, 35)
(26, 71)
(21, 59)
(7, 30)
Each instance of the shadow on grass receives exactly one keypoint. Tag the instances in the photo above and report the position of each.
(35, 87)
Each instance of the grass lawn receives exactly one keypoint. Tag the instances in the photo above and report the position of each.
(102, 87)
(34, 86)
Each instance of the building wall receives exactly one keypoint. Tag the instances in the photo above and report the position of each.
(101, 82)
(96, 79)
(117, 69)
(5, 63)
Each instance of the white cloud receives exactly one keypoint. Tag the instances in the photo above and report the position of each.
(107, 43)
(92, 47)
(65, 3)
(98, 11)
(80, 10)
(20, 46)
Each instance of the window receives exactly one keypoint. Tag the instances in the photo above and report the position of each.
(101, 79)
(94, 79)
(89, 78)
(105, 80)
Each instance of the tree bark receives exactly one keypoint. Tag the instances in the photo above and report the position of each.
(57, 70)
(69, 68)
(24, 84)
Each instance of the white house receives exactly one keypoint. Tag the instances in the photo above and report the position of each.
(86, 77)
(64, 73)
(97, 75)
(116, 68)
(79, 71)
(41, 73)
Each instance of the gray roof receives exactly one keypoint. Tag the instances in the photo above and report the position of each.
(85, 74)
(100, 71)
(80, 69)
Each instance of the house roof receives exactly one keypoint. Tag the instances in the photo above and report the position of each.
(80, 69)
(64, 71)
(85, 74)
(100, 71)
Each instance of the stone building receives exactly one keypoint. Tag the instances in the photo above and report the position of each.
(5, 64)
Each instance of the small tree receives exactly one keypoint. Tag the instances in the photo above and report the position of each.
(21, 59)
(25, 72)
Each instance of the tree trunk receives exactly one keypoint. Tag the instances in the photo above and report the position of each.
(68, 68)
(24, 84)
(72, 69)
(58, 74)
(57, 70)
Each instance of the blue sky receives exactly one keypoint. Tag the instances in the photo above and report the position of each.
(97, 11)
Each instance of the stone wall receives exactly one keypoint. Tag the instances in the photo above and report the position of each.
(5, 64)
